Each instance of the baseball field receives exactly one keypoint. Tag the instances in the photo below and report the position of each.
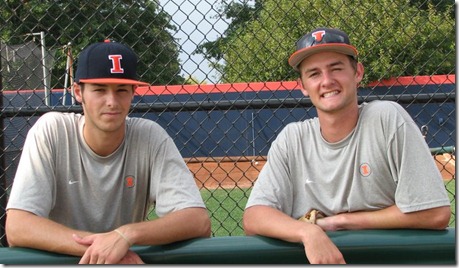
(226, 183)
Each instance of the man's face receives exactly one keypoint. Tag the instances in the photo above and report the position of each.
(105, 106)
(330, 80)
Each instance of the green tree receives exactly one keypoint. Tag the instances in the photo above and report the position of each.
(191, 80)
(394, 38)
(137, 23)
(240, 14)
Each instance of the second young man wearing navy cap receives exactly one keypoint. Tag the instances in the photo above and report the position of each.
(354, 163)
(85, 183)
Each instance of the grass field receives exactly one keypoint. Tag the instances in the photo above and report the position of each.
(226, 207)
(451, 189)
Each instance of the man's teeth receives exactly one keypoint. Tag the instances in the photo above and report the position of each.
(329, 94)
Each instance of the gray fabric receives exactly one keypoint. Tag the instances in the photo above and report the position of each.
(384, 161)
(60, 177)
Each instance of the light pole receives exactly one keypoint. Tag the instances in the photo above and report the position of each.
(43, 62)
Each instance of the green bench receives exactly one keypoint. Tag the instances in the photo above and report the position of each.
(358, 247)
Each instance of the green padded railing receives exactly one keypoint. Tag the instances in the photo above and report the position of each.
(442, 150)
(358, 247)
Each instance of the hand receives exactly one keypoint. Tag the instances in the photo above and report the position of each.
(131, 258)
(335, 222)
(320, 249)
(104, 248)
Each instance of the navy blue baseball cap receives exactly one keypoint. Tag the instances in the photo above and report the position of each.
(319, 40)
(107, 63)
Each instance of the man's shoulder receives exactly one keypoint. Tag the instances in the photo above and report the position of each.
(300, 126)
(143, 125)
(299, 129)
(53, 118)
(387, 111)
(382, 107)
(139, 122)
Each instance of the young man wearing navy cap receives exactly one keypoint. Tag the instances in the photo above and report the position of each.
(85, 183)
(353, 163)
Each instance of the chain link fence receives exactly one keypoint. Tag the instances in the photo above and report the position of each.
(222, 87)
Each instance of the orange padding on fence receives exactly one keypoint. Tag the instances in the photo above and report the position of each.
(284, 85)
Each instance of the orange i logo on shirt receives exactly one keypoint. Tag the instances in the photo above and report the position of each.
(365, 170)
(129, 181)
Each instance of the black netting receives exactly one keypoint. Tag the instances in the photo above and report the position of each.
(222, 87)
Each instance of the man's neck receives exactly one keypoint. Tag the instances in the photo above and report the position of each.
(337, 126)
(103, 143)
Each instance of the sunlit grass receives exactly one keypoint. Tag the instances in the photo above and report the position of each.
(226, 207)
(451, 189)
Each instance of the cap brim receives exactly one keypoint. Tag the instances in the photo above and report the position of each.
(298, 56)
(113, 81)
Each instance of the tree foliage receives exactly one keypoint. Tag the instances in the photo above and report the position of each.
(139, 24)
(394, 38)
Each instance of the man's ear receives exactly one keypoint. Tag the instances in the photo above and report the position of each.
(359, 72)
(134, 88)
(77, 90)
(300, 85)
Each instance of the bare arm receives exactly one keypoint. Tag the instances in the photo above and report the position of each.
(180, 225)
(267, 221)
(25, 229)
(388, 218)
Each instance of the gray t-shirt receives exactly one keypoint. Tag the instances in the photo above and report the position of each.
(59, 177)
(382, 162)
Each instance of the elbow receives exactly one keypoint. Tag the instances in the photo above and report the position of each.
(12, 234)
(18, 227)
(247, 224)
(440, 220)
(434, 219)
(205, 230)
(10, 238)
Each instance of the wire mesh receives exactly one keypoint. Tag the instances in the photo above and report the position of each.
(221, 85)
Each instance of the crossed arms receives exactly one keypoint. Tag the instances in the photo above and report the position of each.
(25, 229)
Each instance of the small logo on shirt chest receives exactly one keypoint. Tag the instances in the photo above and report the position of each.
(365, 169)
(129, 181)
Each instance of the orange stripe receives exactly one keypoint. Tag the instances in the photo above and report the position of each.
(416, 80)
(267, 86)
(218, 88)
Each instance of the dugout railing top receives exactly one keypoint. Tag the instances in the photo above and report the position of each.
(358, 247)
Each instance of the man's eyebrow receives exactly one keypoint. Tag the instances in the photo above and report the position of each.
(100, 85)
(335, 63)
(105, 85)
(339, 62)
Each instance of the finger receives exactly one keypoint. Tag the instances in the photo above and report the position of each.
(84, 259)
(82, 240)
(94, 259)
(137, 259)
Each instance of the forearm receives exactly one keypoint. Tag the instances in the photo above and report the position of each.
(266, 221)
(177, 226)
(24, 229)
(388, 218)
